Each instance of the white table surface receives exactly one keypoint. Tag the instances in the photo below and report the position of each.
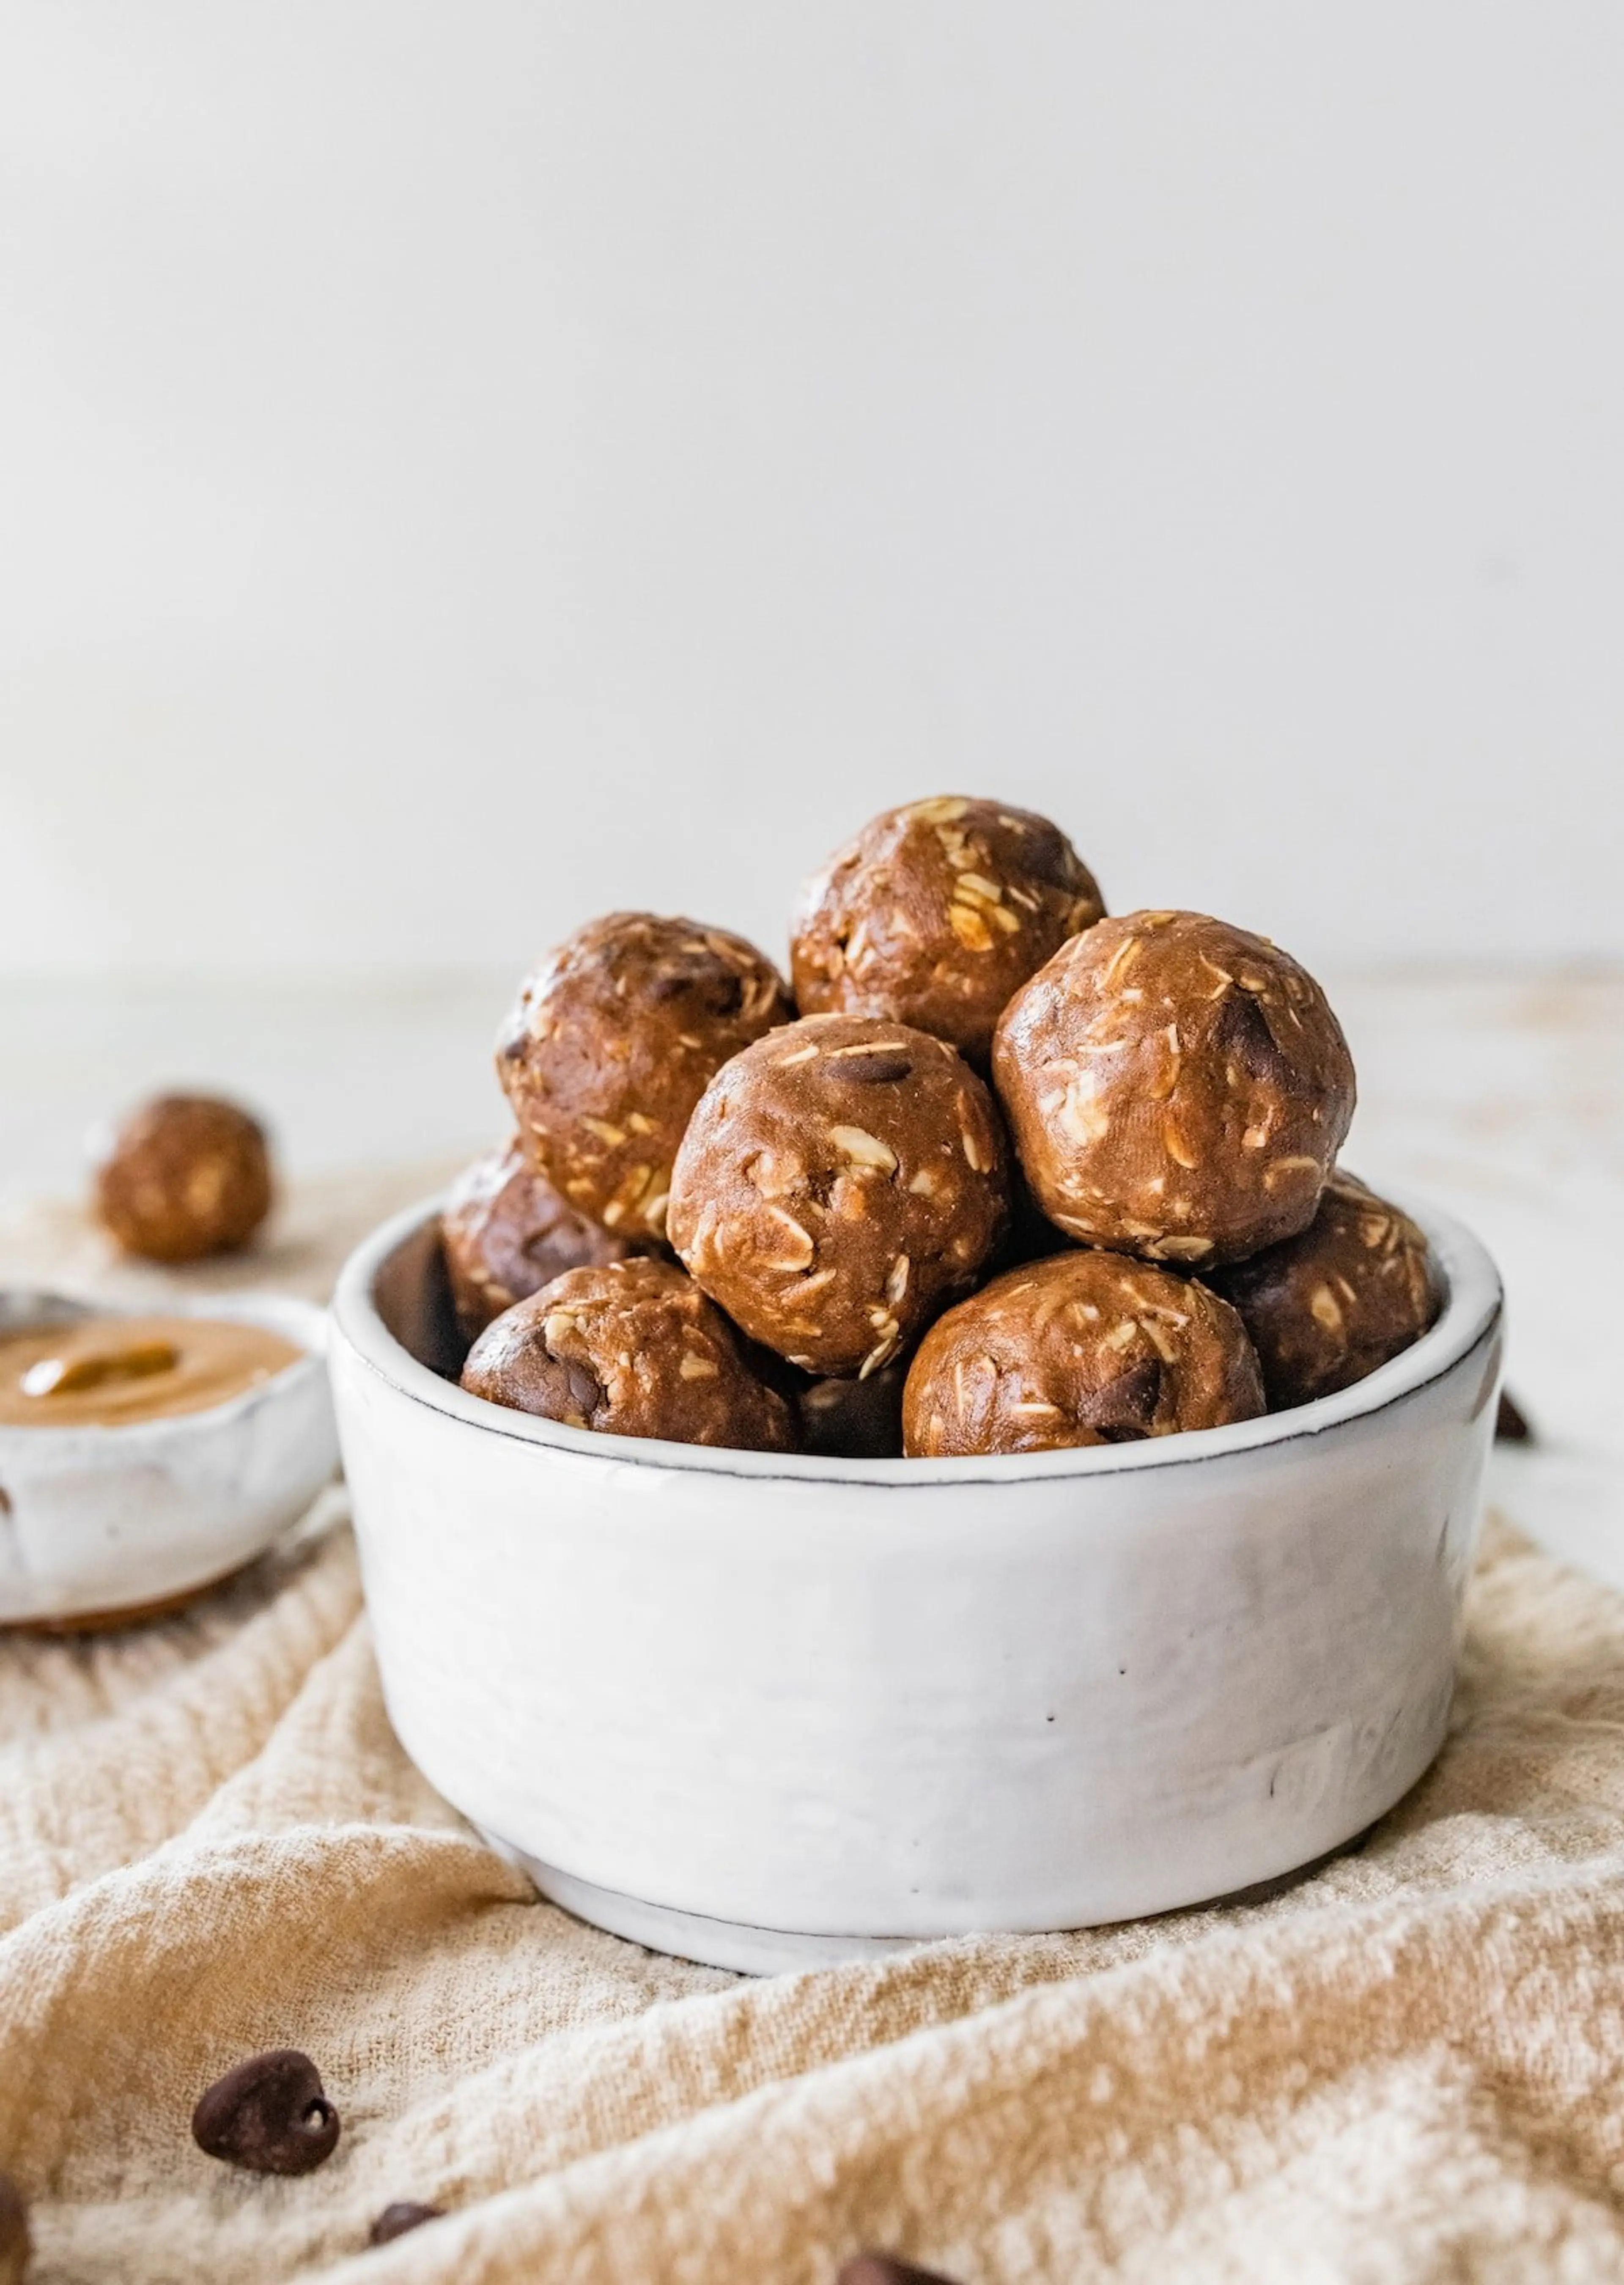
(1501, 1095)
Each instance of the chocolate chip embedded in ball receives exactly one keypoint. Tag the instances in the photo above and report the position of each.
(1177, 1088)
(839, 1181)
(613, 1042)
(632, 1348)
(506, 1233)
(1328, 1305)
(936, 913)
(187, 1175)
(1084, 1349)
(269, 2114)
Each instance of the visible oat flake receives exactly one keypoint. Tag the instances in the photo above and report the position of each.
(971, 931)
(863, 1148)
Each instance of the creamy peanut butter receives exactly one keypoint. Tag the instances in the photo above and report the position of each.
(107, 1371)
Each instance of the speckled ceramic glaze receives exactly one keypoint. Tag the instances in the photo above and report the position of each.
(767, 1712)
(108, 1520)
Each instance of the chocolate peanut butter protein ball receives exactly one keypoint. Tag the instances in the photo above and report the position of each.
(1358, 1285)
(839, 1181)
(631, 1348)
(187, 1175)
(506, 1233)
(613, 1042)
(1084, 1349)
(1177, 1088)
(934, 915)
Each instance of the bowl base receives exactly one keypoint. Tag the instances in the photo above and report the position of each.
(692, 1935)
(783, 1952)
(110, 1616)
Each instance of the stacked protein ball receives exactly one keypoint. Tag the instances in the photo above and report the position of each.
(722, 1222)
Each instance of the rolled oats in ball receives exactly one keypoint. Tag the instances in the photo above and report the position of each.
(1084, 1349)
(187, 1175)
(612, 1042)
(1328, 1307)
(506, 1233)
(1177, 1088)
(840, 1180)
(935, 913)
(629, 1348)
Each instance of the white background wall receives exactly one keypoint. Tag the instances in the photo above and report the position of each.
(466, 465)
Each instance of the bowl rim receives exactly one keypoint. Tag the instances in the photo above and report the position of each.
(306, 1324)
(1473, 1304)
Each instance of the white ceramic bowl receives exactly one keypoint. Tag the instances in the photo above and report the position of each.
(110, 1519)
(767, 1712)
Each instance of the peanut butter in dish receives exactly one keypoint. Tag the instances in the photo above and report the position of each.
(104, 1372)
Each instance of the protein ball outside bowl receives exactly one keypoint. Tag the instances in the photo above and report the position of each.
(1328, 1305)
(506, 1233)
(1084, 1349)
(1178, 1088)
(934, 915)
(613, 1042)
(631, 1348)
(838, 1181)
(187, 1175)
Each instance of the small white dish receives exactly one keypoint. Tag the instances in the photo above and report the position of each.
(768, 1712)
(100, 1521)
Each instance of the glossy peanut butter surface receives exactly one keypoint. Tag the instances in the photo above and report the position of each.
(109, 1372)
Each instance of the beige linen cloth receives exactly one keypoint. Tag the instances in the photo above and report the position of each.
(1408, 2066)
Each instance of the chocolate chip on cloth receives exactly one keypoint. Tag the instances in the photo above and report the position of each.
(1178, 1088)
(506, 1233)
(1083, 1348)
(631, 1348)
(1328, 1305)
(269, 2114)
(881, 2269)
(936, 913)
(187, 1175)
(839, 1181)
(1513, 1425)
(613, 1042)
(16, 2244)
(396, 2220)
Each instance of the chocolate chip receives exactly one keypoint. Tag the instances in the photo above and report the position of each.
(875, 1070)
(396, 2220)
(585, 1387)
(15, 2243)
(713, 984)
(1511, 1425)
(881, 2269)
(269, 2114)
(1122, 1410)
(725, 996)
(1242, 1030)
